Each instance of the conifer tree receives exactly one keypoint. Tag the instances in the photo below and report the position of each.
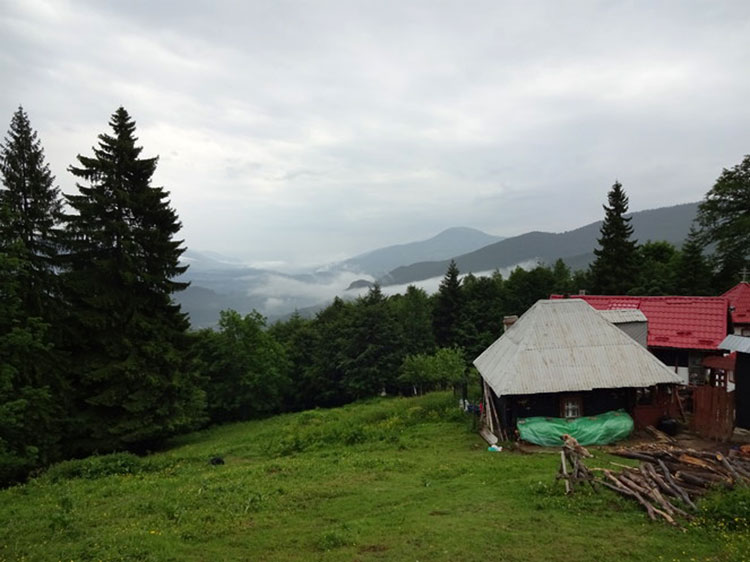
(135, 386)
(29, 413)
(448, 312)
(484, 306)
(692, 273)
(28, 230)
(615, 268)
(31, 383)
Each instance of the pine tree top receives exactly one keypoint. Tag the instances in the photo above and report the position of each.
(32, 202)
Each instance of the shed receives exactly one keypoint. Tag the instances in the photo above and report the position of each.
(563, 359)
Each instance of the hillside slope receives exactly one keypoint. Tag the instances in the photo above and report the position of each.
(388, 479)
(575, 246)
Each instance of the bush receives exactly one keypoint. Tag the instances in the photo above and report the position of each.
(384, 423)
(429, 372)
(100, 466)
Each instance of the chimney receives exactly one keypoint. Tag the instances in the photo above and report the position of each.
(508, 321)
(581, 292)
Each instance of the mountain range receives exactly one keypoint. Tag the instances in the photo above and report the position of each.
(219, 282)
(451, 242)
(575, 247)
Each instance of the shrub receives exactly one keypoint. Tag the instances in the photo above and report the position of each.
(100, 466)
(428, 372)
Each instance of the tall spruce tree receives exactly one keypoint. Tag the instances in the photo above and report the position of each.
(615, 268)
(448, 312)
(31, 384)
(28, 231)
(129, 339)
(692, 273)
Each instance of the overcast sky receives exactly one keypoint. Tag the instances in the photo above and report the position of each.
(305, 132)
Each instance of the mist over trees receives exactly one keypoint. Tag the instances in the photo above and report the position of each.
(95, 356)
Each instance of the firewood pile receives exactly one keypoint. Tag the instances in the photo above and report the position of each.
(669, 480)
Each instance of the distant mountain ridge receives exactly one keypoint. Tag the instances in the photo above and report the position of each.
(451, 242)
(575, 247)
(219, 282)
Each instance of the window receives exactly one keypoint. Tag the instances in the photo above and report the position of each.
(571, 407)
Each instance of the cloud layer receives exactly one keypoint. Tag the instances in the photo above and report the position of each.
(305, 132)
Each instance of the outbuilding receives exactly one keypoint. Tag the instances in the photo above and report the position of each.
(563, 359)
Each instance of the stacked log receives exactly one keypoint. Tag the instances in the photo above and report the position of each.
(669, 480)
(573, 453)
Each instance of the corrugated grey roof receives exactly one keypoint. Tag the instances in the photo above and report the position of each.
(623, 315)
(565, 346)
(736, 343)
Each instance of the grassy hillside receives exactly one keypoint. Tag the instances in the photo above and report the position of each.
(390, 479)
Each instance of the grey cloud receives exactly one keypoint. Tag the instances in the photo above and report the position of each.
(307, 132)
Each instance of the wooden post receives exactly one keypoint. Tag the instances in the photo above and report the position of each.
(564, 469)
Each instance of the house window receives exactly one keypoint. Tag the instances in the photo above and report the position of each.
(571, 407)
(745, 332)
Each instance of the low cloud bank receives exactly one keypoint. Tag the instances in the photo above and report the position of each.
(284, 295)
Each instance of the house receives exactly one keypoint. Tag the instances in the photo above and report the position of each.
(564, 359)
(682, 331)
(739, 301)
(740, 346)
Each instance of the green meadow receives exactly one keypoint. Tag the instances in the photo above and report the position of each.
(386, 479)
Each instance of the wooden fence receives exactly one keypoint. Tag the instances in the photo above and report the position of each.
(713, 412)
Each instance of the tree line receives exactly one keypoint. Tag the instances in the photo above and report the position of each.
(96, 356)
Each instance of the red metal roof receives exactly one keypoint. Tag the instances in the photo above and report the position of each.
(673, 322)
(739, 298)
(725, 362)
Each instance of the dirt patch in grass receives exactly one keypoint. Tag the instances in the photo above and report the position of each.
(372, 548)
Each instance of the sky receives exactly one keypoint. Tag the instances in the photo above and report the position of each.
(295, 133)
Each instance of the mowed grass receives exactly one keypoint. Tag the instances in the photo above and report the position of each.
(388, 479)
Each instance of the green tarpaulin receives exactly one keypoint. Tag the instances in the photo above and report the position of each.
(594, 430)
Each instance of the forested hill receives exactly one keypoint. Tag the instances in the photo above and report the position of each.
(575, 247)
(449, 243)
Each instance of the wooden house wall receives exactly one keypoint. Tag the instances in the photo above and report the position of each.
(597, 401)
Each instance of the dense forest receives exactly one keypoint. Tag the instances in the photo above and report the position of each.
(95, 356)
